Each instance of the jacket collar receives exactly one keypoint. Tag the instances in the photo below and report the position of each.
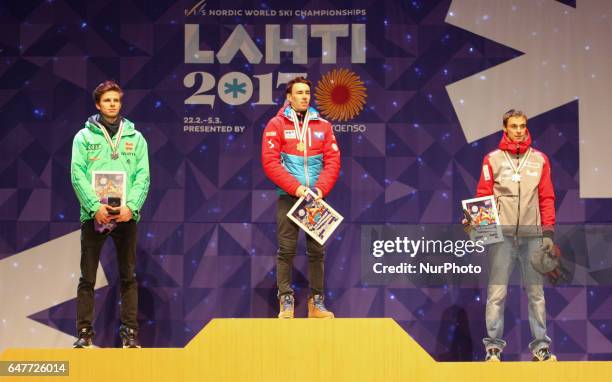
(94, 125)
(506, 144)
(285, 111)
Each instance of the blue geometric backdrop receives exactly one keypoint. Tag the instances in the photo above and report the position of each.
(207, 239)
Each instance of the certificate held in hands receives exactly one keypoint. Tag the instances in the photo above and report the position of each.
(110, 187)
(315, 217)
(484, 219)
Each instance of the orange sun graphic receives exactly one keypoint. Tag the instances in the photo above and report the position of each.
(340, 95)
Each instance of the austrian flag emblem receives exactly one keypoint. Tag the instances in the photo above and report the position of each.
(129, 146)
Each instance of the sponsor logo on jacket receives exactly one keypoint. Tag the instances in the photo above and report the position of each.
(533, 165)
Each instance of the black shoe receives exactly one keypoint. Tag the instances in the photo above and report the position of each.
(85, 340)
(544, 355)
(129, 337)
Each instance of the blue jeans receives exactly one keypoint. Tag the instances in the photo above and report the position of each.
(503, 257)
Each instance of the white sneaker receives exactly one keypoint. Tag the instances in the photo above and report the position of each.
(493, 355)
(544, 355)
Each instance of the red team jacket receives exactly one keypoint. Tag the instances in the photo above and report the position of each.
(317, 166)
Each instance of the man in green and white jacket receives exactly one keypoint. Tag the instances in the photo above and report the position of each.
(109, 143)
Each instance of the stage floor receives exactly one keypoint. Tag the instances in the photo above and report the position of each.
(374, 349)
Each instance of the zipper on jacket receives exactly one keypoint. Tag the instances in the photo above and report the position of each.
(306, 155)
(539, 219)
(518, 215)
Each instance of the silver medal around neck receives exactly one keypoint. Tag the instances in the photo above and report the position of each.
(516, 177)
(113, 146)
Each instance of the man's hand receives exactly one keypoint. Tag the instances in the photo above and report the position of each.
(467, 222)
(125, 214)
(319, 194)
(547, 244)
(301, 191)
(560, 273)
(102, 216)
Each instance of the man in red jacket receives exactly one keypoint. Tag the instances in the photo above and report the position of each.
(299, 151)
(519, 178)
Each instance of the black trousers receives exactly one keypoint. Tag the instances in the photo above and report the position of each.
(287, 235)
(124, 237)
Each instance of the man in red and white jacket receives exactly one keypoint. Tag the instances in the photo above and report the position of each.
(519, 178)
(299, 151)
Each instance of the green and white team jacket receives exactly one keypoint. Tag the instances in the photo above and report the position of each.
(91, 152)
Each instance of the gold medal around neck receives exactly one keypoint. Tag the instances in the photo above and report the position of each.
(300, 146)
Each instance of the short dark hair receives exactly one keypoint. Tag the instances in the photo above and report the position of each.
(513, 113)
(106, 86)
(297, 80)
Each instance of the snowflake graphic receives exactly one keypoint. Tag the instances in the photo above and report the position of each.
(56, 280)
(235, 88)
(566, 58)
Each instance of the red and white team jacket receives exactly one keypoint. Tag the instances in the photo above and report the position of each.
(519, 177)
(318, 165)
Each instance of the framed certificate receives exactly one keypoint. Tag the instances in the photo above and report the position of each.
(317, 218)
(484, 219)
(109, 184)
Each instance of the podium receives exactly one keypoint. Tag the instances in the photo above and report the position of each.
(368, 349)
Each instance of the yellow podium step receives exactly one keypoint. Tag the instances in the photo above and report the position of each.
(296, 350)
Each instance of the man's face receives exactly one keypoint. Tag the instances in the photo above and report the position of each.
(516, 128)
(109, 105)
(299, 97)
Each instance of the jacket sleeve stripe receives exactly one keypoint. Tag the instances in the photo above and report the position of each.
(485, 184)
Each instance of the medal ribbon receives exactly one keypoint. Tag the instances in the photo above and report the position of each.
(301, 133)
(114, 146)
(521, 164)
